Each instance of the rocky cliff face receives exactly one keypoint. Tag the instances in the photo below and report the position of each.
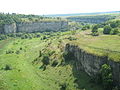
(91, 64)
(9, 28)
(35, 27)
(41, 26)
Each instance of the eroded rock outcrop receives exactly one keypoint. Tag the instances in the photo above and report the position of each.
(91, 63)
(29, 27)
(41, 26)
(9, 28)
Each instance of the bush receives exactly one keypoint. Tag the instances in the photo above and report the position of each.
(95, 34)
(72, 38)
(107, 29)
(85, 27)
(44, 37)
(9, 51)
(106, 77)
(43, 67)
(114, 31)
(17, 52)
(95, 29)
(24, 36)
(7, 67)
(63, 86)
(45, 60)
(54, 64)
(3, 37)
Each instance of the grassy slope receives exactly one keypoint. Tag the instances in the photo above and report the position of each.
(28, 76)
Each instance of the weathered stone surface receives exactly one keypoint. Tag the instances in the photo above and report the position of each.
(41, 26)
(91, 64)
(35, 27)
(9, 28)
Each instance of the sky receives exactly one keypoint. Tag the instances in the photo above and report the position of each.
(43, 7)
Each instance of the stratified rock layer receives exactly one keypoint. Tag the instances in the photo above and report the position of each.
(29, 27)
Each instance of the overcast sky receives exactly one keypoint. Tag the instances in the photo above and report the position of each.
(42, 7)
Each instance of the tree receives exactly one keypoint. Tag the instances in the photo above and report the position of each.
(95, 29)
(106, 75)
(113, 25)
(85, 27)
(107, 29)
(114, 31)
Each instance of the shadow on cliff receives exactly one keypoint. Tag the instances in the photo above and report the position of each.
(82, 79)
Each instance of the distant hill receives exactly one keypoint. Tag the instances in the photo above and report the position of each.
(78, 14)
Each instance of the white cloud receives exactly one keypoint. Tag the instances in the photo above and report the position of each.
(58, 6)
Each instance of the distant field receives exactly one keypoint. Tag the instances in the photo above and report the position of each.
(99, 45)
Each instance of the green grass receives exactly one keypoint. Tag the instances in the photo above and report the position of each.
(99, 45)
(28, 76)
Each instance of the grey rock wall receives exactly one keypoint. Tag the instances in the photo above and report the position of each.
(35, 27)
(91, 64)
(41, 26)
(9, 28)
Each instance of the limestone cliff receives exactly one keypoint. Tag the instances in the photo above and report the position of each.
(41, 26)
(29, 27)
(91, 64)
(9, 28)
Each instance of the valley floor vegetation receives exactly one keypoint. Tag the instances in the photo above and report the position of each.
(36, 62)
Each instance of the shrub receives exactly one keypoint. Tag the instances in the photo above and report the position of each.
(17, 52)
(106, 76)
(44, 37)
(37, 35)
(7, 67)
(24, 36)
(9, 51)
(45, 60)
(85, 27)
(3, 37)
(107, 29)
(54, 64)
(95, 34)
(95, 29)
(43, 67)
(72, 38)
(20, 48)
(114, 31)
(63, 86)
(114, 24)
